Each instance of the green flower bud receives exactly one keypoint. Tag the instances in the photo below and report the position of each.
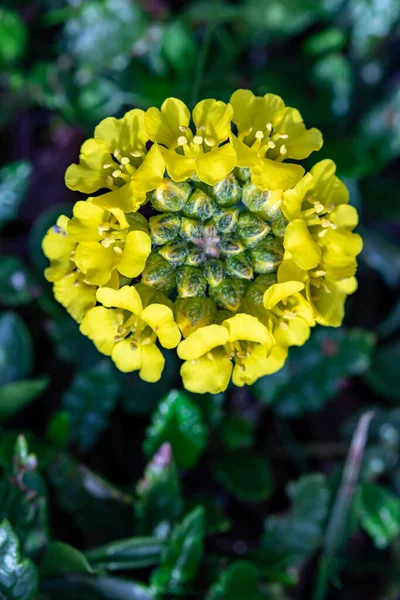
(164, 228)
(251, 229)
(267, 256)
(192, 313)
(191, 230)
(239, 266)
(229, 293)
(226, 219)
(158, 273)
(170, 196)
(190, 282)
(199, 206)
(255, 292)
(227, 192)
(175, 252)
(195, 257)
(230, 245)
(278, 225)
(243, 174)
(214, 271)
(265, 203)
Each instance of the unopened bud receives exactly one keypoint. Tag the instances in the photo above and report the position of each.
(214, 271)
(243, 174)
(263, 202)
(226, 219)
(164, 228)
(230, 245)
(199, 206)
(158, 273)
(175, 252)
(170, 196)
(239, 266)
(229, 293)
(267, 256)
(192, 313)
(190, 281)
(227, 192)
(278, 225)
(251, 229)
(256, 290)
(191, 230)
(195, 257)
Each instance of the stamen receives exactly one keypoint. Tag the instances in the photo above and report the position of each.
(330, 207)
(284, 326)
(319, 207)
(283, 149)
(325, 223)
(320, 273)
(182, 140)
(120, 318)
(283, 136)
(135, 154)
(198, 139)
(118, 250)
(117, 151)
(209, 141)
(210, 355)
(133, 346)
(327, 290)
(102, 228)
(116, 173)
(271, 144)
(183, 128)
(124, 160)
(268, 127)
(322, 233)
(259, 134)
(201, 128)
(288, 314)
(107, 166)
(109, 181)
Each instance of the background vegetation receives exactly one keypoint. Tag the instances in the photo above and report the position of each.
(115, 489)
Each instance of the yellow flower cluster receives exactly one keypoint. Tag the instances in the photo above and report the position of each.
(236, 254)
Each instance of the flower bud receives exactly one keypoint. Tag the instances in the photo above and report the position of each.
(190, 282)
(230, 245)
(278, 225)
(267, 257)
(256, 290)
(214, 271)
(199, 206)
(226, 219)
(191, 230)
(175, 252)
(242, 174)
(164, 228)
(192, 313)
(170, 196)
(229, 293)
(239, 266)
(158, 273)
(227, 192)
(251, 229)
(264, 202)
(195, 257)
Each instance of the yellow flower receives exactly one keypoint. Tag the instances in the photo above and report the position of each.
(123, 329)
(117, 159)
(269, 133)
(185, 154)
(108, 240)
(58, 247)
(209, 351)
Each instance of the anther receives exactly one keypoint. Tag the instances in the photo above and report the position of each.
(320, 273)
(284, 326)
(209, 141)
(210, 356)
(182, 140)
(201, 128)
(322, 233)
(268, 126)
(107, 166)
(198, 139)
(319, 207)
(118, 250)
(135, 154)
(109, 181)
(183, 128)
(283, 149)
(259, 134)
(271, 144)
(124, 160)
(283, 136)
(117, 151)
(116, 173)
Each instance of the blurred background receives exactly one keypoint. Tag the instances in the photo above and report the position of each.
(64, 66)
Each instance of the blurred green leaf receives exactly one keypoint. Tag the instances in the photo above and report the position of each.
(283, 18)
(14, 181)
(380, 197)
(177, 421)
(334, 72)
(159, 503)
(216, 521)
(15, 348)
(237, 432)
(211, 406)
(60, 558)
(380, 514)
(329, 356)
(238, 582)
(18, 578)
(13, 36)
(181, 558)
(327, 40)
(71, 346)
(382, 254)
(59, 429)
(90, 399)
(17, 287)
(371, 22)
(91, 587)
(245, 474)
(178, 47)
(129, 554)
(391, 322)
(93, 101)
(384, 376)
(14, 396)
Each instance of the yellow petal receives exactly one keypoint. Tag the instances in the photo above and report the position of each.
(289, 271)
(214, 166)
(152, 363)
(215, 118)
(207, 374)
(136, 251)
(74, 295)
(161, 320)
(248, 328)
(272, 175)
(163, 125)
(89, 175)
(328, 188)
(95, 261)
(251, 368)
(347, 286)
(127, 134)
(242, 101)
(301, 141)
(328, 303)
(296, 334)
(280, 291)
(127, 356)
(344, 215)
(276, 359)
(245, 157)
(101, 325)
(293, 199)
(127, 297)
(202, 341)
(58, 247)
(149, 174)
(123, 198)
(84, 225)
(304, 250)
(179, 167)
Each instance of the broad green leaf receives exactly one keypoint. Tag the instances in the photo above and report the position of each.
(216, 521)
(289, 540)
(237, 432)
(129, 554)
(70, 345)
(283, 18)
(384, 375)
(315, 372)
(326, 40)
(178, 47)
(14, 180)
(8, 439)
(18, 578)
(380, 514)
(211, 406)
(17, 286)
(245, 474)
(238, 582)
(159, 502)
(15, 348)
(13, 36)
(90, 399)
(60, 558)
(14, 396)
(83, 586)
(177, 421)
(59, 429)
(181, 558)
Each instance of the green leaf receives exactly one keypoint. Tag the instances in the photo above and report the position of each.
(238, 582)
(14, 396)
(60, 558)
(178, 47)
(380, 514)
(121, 555)
(382, 254)
(289, 540)
(329, 356)
(177, 421)
(384, 376)
(18, 578)
(181, 558)
(326, 40)
(59, 429)
(90, 587)
(89, 400)
(159, 503)
(17, 286)
(216, 521)
(245, 474)
(71, 346)
(15, 348)
(14, 181)
(13, 36)
(237, 432)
